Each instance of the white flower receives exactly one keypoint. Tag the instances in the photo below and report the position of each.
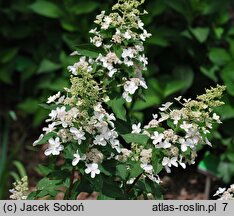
(127, 35)
(117, 38)
(107, 22)
(143, 83)
(112, 72)
(216, 118)
(136, 128)
(115, 145)
(208, 142)
(127, 97)
(186, 126)
(167, 163)
(164, 117)
(154, 178)
(178, 98)
(77, 158)
(176, 116)
(79, 135)
(96, 40)
(53, 98)
(130, 181)
(54, 147)
(157, 137)
(38, 140)
(52, 115)
(130, 87)
(128, 62)
(51, 127)
(61, 112)
(164, 145)
(129, 52)
(184, 144)
(147, 167)
(181, 163)
(93, 169)
(165, 106)
(100, 140)
(143, 59)
(220, 191)
(72, 69)
(144, 35)
(140, 24)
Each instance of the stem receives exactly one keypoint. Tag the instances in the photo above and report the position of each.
(71, 184)
(133, 184)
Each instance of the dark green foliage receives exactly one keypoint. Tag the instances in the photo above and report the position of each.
(192, 48)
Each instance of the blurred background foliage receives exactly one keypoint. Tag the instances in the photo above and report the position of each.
(192, 48)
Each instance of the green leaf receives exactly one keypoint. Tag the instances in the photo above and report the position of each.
(226, 111)
(97, 183)
(181, 7)
(226, 171)
(157, 164)
(219, 56)
(43, 170)
(32, 195)
(54, 85)
(230, 156)
(48, 184)
(112, 189)
(88, 50)
(200, 33)
(151, 97)
(48, 107)
(136, 138)
(178, 6)
(161, 36)
(103, 170)
(48, 66)
(183, 79)
(219, 32)
(42, 194)
(117, 105)
(6, 75)
(135, 170)
(45, 138)
(8, 54)
(209, 164)
(84, 7)
(20, 168)
(30, 105)
(122, 171)
(210, 72)
(154, 188)
(227, 75)
(104, 197)
(46, 8)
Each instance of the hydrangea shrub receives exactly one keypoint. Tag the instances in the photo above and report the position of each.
(99, 145)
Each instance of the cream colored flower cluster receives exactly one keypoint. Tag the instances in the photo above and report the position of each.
(20, 190)
(225, 194)
(79, 121)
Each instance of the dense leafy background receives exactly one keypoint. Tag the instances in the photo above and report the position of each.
(192, 48)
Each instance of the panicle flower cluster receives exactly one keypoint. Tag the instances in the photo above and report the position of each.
(123, 45)
(20, 190)
(225, 194)
(175, 133)
(79, 118)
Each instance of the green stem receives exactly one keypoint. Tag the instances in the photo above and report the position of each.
(133, 184)
(71, 183)
(5, 139)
